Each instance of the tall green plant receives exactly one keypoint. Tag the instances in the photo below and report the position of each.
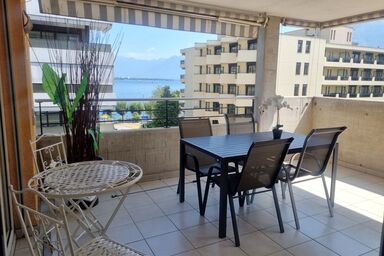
(57, 90)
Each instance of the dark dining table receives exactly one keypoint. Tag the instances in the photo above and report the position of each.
(232, 148)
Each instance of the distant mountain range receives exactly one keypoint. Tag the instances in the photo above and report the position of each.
(161, 68)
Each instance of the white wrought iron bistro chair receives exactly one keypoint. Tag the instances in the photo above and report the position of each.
(50, 233)
(54, 155)
(49, 156)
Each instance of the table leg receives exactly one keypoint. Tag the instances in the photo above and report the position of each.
(334, 171)
(181, 187)
(223, 200)
(122, 199)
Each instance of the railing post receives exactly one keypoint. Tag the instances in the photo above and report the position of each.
(41, 119)
(47, 118)
(166, 114)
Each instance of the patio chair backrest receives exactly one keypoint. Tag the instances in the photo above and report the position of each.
(263, 164)
(317, 150)
(43, 232)
(237, 124)
(48, 156)
(190, 128)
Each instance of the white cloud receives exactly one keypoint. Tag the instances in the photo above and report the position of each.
(147, 54)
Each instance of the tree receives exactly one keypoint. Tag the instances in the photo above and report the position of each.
(136, 107)
(121, 108)
(136, 116)
(166, 112)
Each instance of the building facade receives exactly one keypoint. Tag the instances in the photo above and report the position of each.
(56, 41)
(310, 63)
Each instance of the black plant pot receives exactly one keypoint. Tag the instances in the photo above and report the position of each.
(277, 133)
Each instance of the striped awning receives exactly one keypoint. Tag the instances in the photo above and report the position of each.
(159, 14)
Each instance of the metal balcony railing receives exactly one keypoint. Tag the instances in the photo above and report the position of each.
(165, 114)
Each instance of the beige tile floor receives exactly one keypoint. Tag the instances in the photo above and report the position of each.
(153, 221)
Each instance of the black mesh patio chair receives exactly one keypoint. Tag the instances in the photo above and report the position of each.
(240, 123)
(261, 170)
(312, 161)
(194, 160)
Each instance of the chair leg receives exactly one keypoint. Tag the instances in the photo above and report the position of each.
(242, 198)
(275, 199)
(178, 187)
(253, 195)
(213, 183)
(199, 195)
(234, 222)
(327, 196)
(293, 204)
(283, 188)
(205, 199)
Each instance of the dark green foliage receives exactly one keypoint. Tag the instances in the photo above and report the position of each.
(165, 108)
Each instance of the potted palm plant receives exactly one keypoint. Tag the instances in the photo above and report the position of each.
(77, 89)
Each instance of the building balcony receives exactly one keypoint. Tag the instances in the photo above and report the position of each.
(246, 56)
(228, 57)
(212, 78)
(152, 215)
(182, 78)
(213, 59)
(228, 78)
(246, 78)
(182, 64)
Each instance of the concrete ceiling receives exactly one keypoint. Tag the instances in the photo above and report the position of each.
(309, 10)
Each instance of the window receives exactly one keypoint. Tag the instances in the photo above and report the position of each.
(296, 90)
(231, 89)
(217, 50)
(304, 90)
(231, 109)
(306, 68)
(217, 69)
(299, 46)
(232, 68)
(233, 47)
(252, 44)
(298, 68)
(364, 91)
(208, 88)
(216, 106)
(200, 87)
(307, 46)
(217, 88)
(251, 67)
(201, 52)
(248, 110)
(250, 89)
(207, 106)
(201, 70)
(200, 104)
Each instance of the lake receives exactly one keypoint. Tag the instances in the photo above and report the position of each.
(142, 88)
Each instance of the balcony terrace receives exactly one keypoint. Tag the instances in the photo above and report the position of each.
(152, 215)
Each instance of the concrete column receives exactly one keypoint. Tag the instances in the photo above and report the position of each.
(266, 70)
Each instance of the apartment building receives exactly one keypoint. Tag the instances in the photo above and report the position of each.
(223, 72)
(310, 63)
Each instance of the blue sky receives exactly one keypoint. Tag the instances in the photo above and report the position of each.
(146, 43)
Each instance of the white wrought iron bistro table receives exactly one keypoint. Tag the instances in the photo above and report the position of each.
(78, 180)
